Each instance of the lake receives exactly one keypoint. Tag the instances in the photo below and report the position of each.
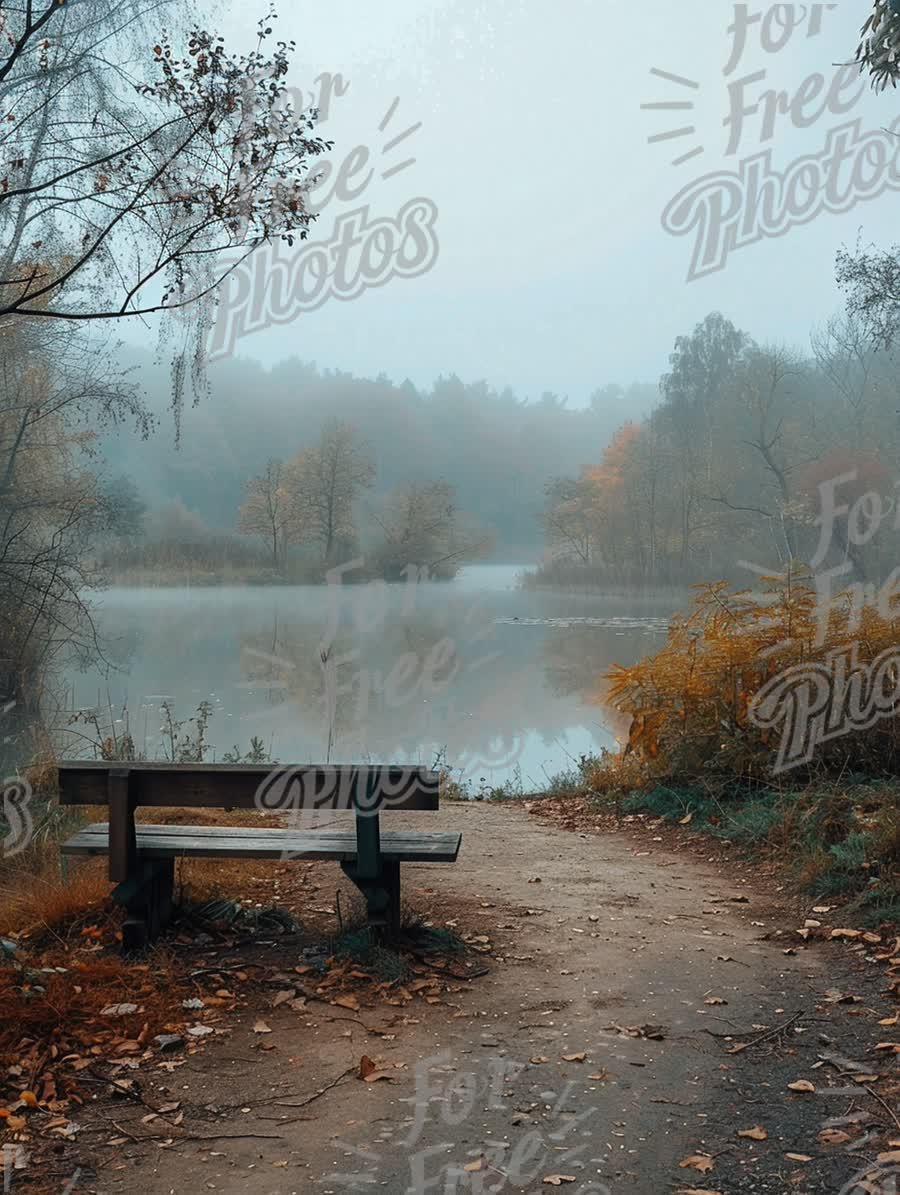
(500, 684)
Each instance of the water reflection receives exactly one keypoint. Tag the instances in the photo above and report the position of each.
(488, 677)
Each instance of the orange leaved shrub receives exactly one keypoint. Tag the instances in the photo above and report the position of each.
(750, 686)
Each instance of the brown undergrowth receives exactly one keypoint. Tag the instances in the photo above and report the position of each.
(78, 1019)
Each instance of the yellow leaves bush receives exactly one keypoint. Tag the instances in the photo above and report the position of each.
(690, 704)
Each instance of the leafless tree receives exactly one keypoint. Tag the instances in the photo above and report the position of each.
(266, 511)
(324, 482)
(56, 394)
(423, 527)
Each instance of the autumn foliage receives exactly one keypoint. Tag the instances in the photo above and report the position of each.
(693, 708)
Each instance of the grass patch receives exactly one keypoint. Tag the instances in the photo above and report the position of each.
(43, 901)
(836, 842)
(361, 946)
(436, 940)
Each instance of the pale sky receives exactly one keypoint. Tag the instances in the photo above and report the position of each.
(554, 271)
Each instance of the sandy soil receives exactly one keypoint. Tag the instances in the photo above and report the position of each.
(593, 1055)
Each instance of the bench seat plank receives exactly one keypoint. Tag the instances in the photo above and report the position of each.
(211, 842)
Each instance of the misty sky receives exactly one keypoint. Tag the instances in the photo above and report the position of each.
(554, 271)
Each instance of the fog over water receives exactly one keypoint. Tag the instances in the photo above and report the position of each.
(500, 683)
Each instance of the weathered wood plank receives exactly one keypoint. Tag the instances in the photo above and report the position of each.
(251, 833)
(240, 842)
(270, 788)
(122, 848)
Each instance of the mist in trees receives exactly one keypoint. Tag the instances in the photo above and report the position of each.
(494, 449)
(729, 475)
(56, 498)
(132, 159)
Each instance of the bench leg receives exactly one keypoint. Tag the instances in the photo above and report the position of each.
(382, 897)
(147, 895)
(392, 881)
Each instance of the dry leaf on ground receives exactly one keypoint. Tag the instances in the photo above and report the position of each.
(701, 1162)
(757, 1133)
(834, 1137)
(350, 1002)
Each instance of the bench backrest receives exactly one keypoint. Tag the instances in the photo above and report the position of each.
(271, 788)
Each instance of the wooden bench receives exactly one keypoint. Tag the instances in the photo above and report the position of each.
(142, 857)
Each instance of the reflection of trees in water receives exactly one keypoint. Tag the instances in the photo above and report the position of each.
(415, 670)
(121, 649)
(577, 659)
(442, 679)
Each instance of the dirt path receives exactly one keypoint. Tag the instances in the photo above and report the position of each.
(486, 1098)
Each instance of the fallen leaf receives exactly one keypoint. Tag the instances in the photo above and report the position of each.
(846, 933)
(261, 1027)
(834, 1137)
(701, 1162)
(574, 1057)
(557, 1180)
(350, 1002)
(891, 1155)
(799, 1157)
(803, 1085)
(757, 1133)
(28, 1098)
(714, 1000)
(473, 1166)
(366, 1066)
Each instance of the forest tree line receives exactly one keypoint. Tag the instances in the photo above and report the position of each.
(729, 475)
(301, 518)
(495, 448)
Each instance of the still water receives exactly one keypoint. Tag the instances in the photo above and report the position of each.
(499, 684)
